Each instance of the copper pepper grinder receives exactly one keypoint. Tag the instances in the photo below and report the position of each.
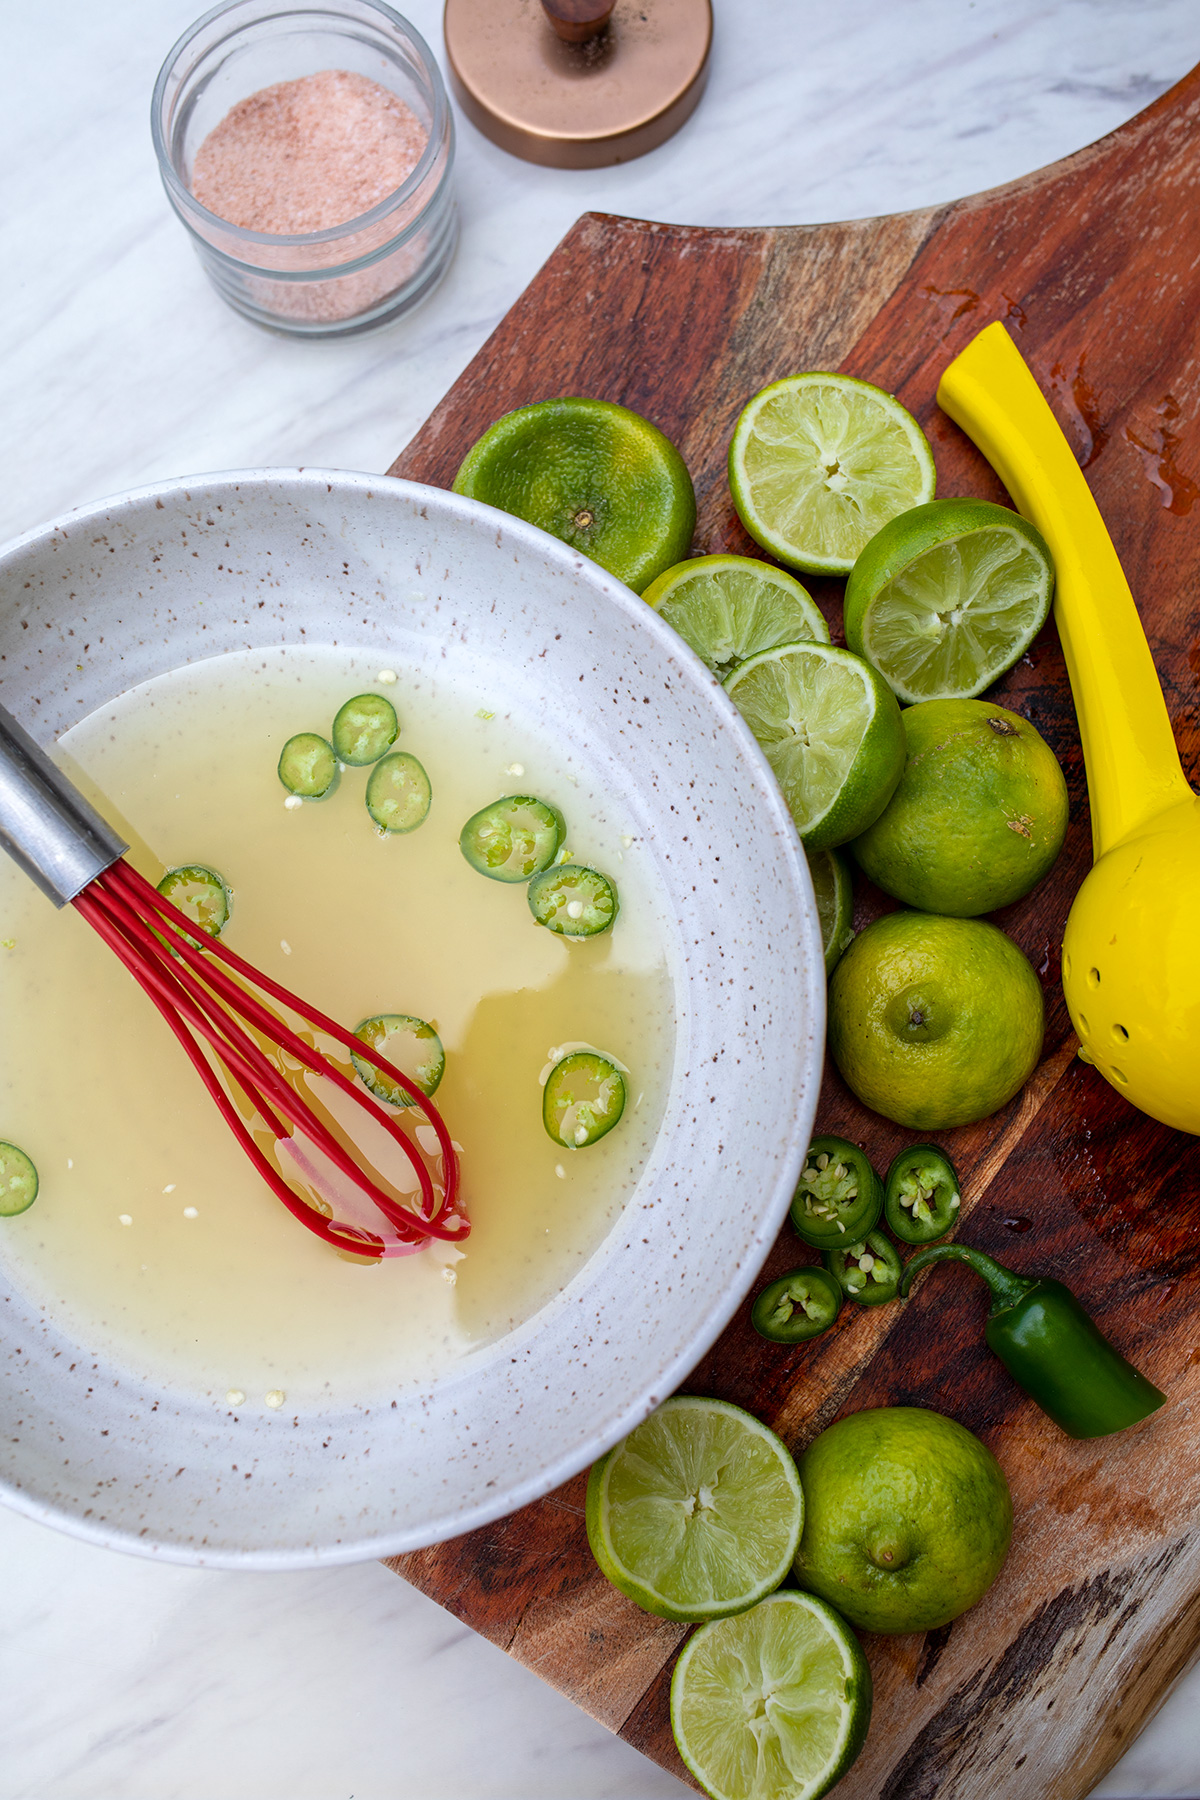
(578, 84)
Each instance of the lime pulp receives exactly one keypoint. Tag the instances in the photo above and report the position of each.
(728, 608)
(692, 1514)
(820, 462)
(831, 731)
(947, 597)
(773, 1704)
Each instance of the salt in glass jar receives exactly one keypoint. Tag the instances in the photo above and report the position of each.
(351, 277)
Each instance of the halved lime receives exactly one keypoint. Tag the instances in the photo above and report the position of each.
(946, 597)
(692, 1514)
(731, 607)
(820, 462)
(773, 1704)
(831, 730)
(833, 886)
(601, 478)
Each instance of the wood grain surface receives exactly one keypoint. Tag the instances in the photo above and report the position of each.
(1095, 267)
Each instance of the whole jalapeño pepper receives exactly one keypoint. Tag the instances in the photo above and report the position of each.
(1052, 1348)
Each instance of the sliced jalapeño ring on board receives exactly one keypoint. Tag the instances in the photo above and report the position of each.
(573, 900)
(398, 793)
(921, 1194)
(838, 1198)
(514, 838)
(868, 1272)
(365, 729)
(411, 1045)
(18, 1181)
(583, 1098)
(308, 766)
(797, 1307)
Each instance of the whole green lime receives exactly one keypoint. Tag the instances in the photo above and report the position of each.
(908, 1519)
(601, 478)
(979, 816)
(934, 1022)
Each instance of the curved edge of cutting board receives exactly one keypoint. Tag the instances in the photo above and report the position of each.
(1094, 264)
(746, 298)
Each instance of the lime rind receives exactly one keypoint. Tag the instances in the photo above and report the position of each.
(946, 598)
(820, 462)
(833, 889)
(728, 608)
(692, 1514)
(773, 1704)
(920, 1485)
(830, 728)
(983, 1010)
(595, 475)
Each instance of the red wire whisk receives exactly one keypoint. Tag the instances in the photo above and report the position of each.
(213, 1001)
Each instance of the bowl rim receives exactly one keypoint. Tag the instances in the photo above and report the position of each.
(651, 1391)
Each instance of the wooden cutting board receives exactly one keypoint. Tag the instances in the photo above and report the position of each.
(1095, 267)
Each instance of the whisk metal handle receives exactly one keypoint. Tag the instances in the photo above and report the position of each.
(46, 825)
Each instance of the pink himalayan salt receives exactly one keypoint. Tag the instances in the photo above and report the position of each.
(309, 154)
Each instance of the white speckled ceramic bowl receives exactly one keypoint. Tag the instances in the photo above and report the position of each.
(414, 575)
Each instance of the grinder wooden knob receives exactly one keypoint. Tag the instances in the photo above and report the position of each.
(576, 21)
(578, 84)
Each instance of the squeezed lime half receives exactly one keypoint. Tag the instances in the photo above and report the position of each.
(947, 597)
(831, 731)
(728, 608)
(773, 1704)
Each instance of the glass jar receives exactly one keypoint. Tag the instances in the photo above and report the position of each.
(349, 278)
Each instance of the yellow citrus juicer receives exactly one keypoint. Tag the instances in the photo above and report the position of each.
(1131, 948)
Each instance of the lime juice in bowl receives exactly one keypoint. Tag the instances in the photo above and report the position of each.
(426, 584)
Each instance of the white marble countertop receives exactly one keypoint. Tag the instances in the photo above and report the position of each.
(123, 1680)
